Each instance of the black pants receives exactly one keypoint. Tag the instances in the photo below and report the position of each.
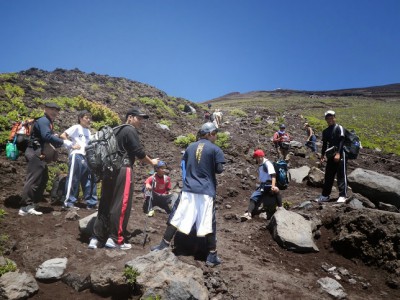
(340, 170)
(115, 206)
(165, 202)
(37, 175)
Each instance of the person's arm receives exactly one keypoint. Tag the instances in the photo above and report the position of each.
(148, 183)
(309, 130)
(276, 138)
(149, 161)
(220, 168)
(274, 188)
(65, 137)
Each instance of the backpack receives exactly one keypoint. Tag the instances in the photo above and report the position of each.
(102, 153)
(281, 170)
(20, 133)
(57, 193)
(351, 144)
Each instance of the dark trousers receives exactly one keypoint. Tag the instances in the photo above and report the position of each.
(164, 201)
(340, 170)
(37, 175)
(267, 198)
(115, 206)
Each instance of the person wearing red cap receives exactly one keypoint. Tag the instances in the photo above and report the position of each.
(267, 186)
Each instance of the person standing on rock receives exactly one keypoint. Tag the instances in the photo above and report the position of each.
(203, 160)
(281, 140)
(40, 151)
(336, 161)
(79, 171)
(266, 192)
(117, 187)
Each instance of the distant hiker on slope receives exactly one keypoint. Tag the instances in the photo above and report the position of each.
(203, 160)
(281, 140)
(266, 192)
(311, 141)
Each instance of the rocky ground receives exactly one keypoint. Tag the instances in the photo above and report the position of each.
(254, 265)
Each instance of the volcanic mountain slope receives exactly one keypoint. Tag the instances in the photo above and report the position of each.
(254, 266)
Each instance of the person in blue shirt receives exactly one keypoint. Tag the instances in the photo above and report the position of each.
(203, 160)
(40, 151)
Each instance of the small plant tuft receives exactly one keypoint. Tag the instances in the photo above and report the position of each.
(131, 275)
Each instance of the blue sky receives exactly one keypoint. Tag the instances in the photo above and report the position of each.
(204, 49)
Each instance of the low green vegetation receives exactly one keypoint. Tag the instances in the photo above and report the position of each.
(156, 297)
(238, 112)
(223, 140)
(9, 266)
(165, 122)
(161, 107)
(2, 214)
(131, 275)
(184, 140)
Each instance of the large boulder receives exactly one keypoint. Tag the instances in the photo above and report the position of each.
(109, 280)
(86, 224)
(299, 174)
(375, 186)
(52, 269)
(163, 274)
(15, 285)
(316, 177)
(292, 231)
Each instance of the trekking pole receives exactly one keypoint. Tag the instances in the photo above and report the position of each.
(148, 210)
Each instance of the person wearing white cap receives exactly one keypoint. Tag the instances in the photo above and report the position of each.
(336, 161)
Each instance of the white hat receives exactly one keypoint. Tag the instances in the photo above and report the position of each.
(329, 112)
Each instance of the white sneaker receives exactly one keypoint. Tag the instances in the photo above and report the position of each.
(323, 199)
(341, 199)
(112, 245)
(150, 213)
(93, 243)
(31, 211)
(245, 217)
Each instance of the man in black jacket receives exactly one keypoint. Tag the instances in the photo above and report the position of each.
(336, 161)
(117, 187)
(40, 151)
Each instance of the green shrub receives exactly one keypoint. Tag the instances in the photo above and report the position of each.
(238, 112)
(10, 266)
(222, 140)
(3, 242)
(2, 214)
(181, 107)
(165, 122)
(161, 107)
(8, 76)
(131, 275)
(184, 141)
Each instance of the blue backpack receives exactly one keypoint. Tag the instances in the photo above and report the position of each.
(281, 170)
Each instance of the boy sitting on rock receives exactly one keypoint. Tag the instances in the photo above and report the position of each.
(157, 191)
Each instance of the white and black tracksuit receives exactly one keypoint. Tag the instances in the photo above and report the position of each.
(334, 135)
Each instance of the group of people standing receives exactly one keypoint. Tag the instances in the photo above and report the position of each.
(201, 162)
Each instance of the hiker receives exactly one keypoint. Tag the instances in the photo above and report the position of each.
(217, 117)
(266, 192)
(79, 171)
(281, 140)
(311, 141)
(203, 160)
(157, 191)
(336, 161)
(40, 151)
(207, 116)
(117, 187)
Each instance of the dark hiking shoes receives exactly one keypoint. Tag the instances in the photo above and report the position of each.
(161, 246)
(213, 259)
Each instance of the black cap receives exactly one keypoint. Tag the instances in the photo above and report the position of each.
(52, 105)
(136, 112)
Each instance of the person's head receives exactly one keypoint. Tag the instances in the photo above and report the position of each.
(84, 118)
(306, 125)
(160, 168)
(282, 127)
(52, 110)
(330, 117)
(135, 117)
(208, 131)
(258, 155)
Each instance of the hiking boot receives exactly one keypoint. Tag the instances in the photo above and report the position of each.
(213, 259)
(112, 245)
(91, 207)
(245, 217)
(161, 246)
(322, 199)
(341, 199)
(93, 243)
(150, 213)
(30, 211)
(69, 206)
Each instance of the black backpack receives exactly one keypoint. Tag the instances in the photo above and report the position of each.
(102, 153)
(57, 194)
(351, 144)
(281, 170)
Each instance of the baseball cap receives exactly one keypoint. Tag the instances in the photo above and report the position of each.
(282, 126)
(136, 112)
(52, 105)
(329, 113)
(208, 127)
(161, 164)
(258, 153)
